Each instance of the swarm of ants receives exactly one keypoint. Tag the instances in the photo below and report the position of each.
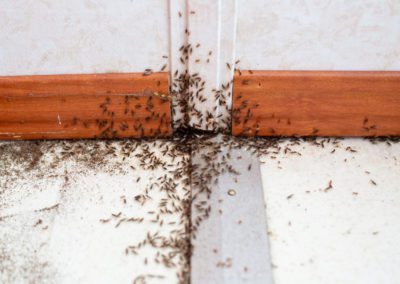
(173, 249)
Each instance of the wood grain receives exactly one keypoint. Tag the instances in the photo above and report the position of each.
(84, 106)
(316, 103)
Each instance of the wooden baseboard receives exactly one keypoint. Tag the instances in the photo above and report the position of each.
(313, 103)
(85, 106)
(265, 103)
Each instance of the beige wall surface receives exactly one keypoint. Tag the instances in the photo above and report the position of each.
(75, 36)
(319, 34)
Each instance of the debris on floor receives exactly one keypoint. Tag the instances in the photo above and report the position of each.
(119, 211)
(93, 211)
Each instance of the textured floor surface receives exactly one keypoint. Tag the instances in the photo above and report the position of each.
(333, 211)
(118, 212)
(92, 212)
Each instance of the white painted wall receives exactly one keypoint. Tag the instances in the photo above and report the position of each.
(74, 36)
(319, 34)
(82, 36)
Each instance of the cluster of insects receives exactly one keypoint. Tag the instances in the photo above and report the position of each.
(177, 196)
(163, 201)
(243, 117)
(194, 105)
(134, 116)
(131, 115)
(248, 119)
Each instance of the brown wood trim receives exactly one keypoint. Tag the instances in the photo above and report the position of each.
(84, 106)
(316, 103)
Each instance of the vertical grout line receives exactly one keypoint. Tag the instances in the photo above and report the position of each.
(170, 78)
(227, 59)
(218, 65)
(178, 20)
(187, 34)
(233, 60)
